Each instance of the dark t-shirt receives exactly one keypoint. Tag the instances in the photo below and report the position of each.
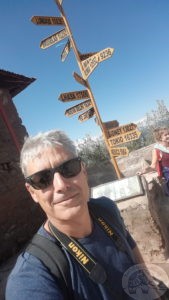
(30, 279)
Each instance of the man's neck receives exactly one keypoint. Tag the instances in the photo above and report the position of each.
(79, 228)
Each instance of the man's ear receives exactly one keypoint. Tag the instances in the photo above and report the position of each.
(31, 191)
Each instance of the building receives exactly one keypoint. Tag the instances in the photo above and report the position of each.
(19, 216)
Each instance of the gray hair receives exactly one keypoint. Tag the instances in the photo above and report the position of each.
(33, 145)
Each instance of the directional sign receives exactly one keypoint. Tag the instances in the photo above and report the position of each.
(86, 55)
(79, 79)
(121, 129)
(54, 38)
(101, 55)
(111, 124)
(42, 20)
(66, 50)
(77, 108)
(124, 138)
(105, 54)
(121, 151)
(89, 65)
(71, 96)
(86, 115)
(92, 61)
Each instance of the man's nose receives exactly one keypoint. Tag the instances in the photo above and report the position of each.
(60, 183)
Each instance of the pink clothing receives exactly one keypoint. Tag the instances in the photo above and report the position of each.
(165, 159)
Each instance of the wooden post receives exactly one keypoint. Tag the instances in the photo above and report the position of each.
(77, 55)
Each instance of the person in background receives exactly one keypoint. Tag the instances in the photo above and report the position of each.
(56, 179)
(160, 156)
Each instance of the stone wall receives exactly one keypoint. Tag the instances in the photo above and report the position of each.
(19, 216)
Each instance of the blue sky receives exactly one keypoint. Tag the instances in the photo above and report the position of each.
(125, 86)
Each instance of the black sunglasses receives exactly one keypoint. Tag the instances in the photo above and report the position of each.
(44, 178)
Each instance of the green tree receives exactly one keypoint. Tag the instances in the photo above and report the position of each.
(93, 150)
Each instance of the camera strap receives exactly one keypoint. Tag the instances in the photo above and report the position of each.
(94, 270)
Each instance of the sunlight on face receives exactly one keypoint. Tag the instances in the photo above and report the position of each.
(65, 198)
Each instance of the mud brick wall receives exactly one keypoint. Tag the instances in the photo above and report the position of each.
(19, 216)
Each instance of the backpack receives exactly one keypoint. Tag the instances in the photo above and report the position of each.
(53, 257)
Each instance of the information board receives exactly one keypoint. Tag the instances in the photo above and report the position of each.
(119, 189)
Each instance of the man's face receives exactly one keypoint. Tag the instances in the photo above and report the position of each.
(66, 198)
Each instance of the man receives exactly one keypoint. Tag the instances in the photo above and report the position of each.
(56, 179)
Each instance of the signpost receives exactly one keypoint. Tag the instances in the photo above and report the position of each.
(86, 55)
(124, 138)
(112, 132)
(53, 39)
(92, 61)
(86, 115)
(71, 96)
(79, 79)
(42, 20)
(121, 151)
(66, 51)
(89, 65)
(111, 124)
(77, 108)
(105, 54)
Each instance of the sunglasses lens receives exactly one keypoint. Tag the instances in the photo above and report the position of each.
(43, 179)
(70, 168)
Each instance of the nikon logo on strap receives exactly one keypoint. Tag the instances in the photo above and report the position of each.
(78, 253)
(106, 227)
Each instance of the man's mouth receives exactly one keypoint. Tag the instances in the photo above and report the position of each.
(69, 198)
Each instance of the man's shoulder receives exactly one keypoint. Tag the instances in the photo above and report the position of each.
(28, 276)
(107, 204)
(26, 263)
(108, 209)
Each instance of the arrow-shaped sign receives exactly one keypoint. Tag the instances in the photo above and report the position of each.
(71, 96)
(92, 61)
(87, 115)
(79, 79)
(54, 38)
(105, 54)
(101, 55)
(111, 124)
(121, 151)
(89, 65)
(112, 132)
(66, 50)
(124, 138)
(86, 55)
(77, 108)
(42, 20)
